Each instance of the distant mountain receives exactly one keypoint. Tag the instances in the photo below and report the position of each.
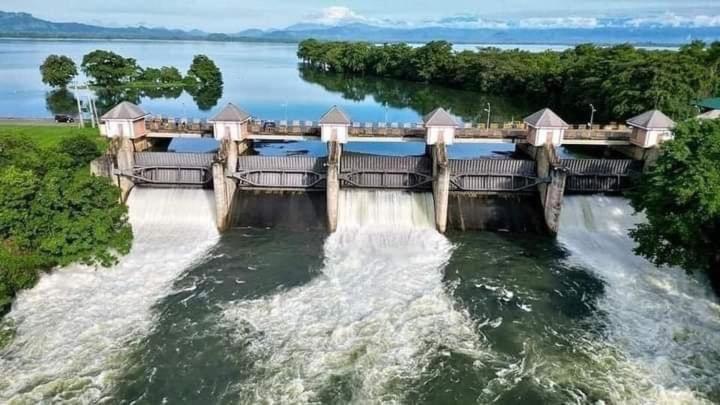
(24, 24)
(604, 35)
(609, 32)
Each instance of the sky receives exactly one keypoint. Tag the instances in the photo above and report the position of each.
(231, 16)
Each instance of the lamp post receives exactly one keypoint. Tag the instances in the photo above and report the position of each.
(487, 110)
(592, 116)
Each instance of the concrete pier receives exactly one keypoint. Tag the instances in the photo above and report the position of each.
(125, 163)
(333, 184)
(552, 189)
(441, 185)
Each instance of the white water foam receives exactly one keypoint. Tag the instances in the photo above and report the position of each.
(373, 318)
(666, 323)
(74, 327)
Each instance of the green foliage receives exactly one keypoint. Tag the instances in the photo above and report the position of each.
(204, 82)
(61, 101)
(163, 76)
(681, 198)
(58, 70)
(80, 149)
(203, 73)
(53, 212)
(620, 81)
(108, 69)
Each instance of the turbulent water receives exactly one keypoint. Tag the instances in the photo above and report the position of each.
(385, 310)
(663, 326)
(370, 321)
(75, 327)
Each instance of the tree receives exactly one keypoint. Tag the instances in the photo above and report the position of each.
(53, 212)
(108, 69)
(58, 71)
(680, 196)
(204, 73)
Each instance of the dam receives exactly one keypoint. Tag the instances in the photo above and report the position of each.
(522, 193)
(385, 309)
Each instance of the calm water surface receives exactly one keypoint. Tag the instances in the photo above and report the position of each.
(262, 78)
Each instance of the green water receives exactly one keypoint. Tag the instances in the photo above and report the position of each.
(381, 312)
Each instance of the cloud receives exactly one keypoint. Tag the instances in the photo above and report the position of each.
(337, 15)
(559, 22)
(674, 20)
(340, 15)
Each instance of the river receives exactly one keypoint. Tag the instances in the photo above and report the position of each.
(386, 310)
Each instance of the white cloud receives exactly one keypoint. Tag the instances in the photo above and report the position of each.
(340, 15)
(674, 20)
(337, 15)
(559, 22)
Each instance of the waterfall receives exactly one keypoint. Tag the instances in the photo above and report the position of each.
(373, 318)
(74, 328)
(660, 319)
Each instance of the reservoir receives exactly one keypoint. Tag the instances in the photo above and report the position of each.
(384, 310)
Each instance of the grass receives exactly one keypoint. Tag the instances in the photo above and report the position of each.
(49, 135)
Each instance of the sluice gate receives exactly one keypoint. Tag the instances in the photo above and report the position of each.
(386, 172)
(493, 175)
(281, 172)
(599, 175)
(167, 169)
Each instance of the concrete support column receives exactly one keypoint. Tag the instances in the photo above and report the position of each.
(125, 162)
(441, 185)
(333, 184)
(552, 192)
(222, 197)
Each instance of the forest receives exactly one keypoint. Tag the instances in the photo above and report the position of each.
(618, 81)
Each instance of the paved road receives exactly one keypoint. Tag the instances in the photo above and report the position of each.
(35, 122)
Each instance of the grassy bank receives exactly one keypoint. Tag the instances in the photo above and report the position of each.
(49, 134)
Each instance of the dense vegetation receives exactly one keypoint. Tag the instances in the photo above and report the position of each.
(619, 81)
(681, 198)
(52, 211)
(115, 78)
(58, 71)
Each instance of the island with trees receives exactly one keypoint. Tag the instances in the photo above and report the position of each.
(115, 78)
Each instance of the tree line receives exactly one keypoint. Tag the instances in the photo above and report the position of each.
(113, 74)
(619, 81)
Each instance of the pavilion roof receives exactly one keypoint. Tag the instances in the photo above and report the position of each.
(124, 111)
(231, 113)
(335, 116)
(545, 118)
(654, 119)
(440, 118)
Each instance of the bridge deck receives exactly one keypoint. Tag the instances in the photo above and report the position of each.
(381, 132)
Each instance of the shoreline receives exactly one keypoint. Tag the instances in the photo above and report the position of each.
(5, 36)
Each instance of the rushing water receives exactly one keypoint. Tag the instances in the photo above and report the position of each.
(370, 321)
(73, 330)
(385, 310)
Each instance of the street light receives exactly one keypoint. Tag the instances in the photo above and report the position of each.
(487, 110)
(592, 115)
